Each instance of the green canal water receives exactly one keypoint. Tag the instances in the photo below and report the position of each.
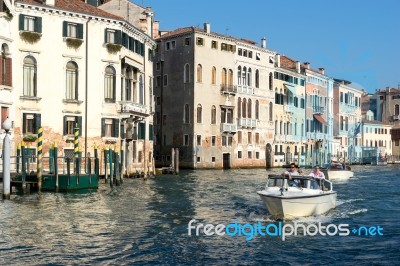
(146, 222)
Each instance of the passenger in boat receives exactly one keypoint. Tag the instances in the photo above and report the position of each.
(291, 171)
(317, 175)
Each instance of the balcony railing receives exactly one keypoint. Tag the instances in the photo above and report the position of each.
(247, 123)
(245, 89)
(228, 127)
(133, 108)
(318, 110)
(228, 89)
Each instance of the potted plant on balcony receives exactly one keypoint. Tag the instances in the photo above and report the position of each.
(29, 138)
(113, 48)
(30, 36)
(74, 43)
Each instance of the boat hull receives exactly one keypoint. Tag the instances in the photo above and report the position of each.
(338, 175)
(292, 207)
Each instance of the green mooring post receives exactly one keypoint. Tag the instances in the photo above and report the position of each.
(55, 158)
(116, 166)
(39, 158)
(96, 162)
(105, 164)
(110, 158)
(122, 164)
(68, 170)
(51, 158)
(23, 168)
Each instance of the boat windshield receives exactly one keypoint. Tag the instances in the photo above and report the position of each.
(299, 182)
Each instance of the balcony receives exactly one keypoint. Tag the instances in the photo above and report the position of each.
(245, 89)
(318, 110)
(228, 89)
(247, 123)
(228, 128)
(133, 108)
(289, 109)
(395, 117)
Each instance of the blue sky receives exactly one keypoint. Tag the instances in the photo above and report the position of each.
(354, 40)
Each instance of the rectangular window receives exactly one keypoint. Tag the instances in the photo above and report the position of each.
(230, 140)
(258, 56)
(187, 41)
(167, 46)
(72, 30)
(257, 155)
(257, 138)
(70, 123)
(239, 134)
(110, 127)
(198, 159)
(214, 44)
(224, 47)
(249, 137)
(239, 154)
(240, 51)
(213, 159)
(30, 23)
(158, 81)
(173, 44)
(200, 41)
(165, 80)
(158, 66)
(213, 140)
(198, 140)
(185, 140)
(223, 140)
(249, 154)
(31, 123)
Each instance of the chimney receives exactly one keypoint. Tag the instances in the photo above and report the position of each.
(321, 70)
(264, 42)
(207, 27)
(50, 2)
(298, 66)
(278, 60)
(307, 65)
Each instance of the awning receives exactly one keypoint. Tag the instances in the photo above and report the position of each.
(320, 119)
(133, 63)
(290, 88)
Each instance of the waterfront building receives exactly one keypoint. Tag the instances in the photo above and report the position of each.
(319, 116)
(289, 112)
(347, 121)
(214, 100)
(75, 65)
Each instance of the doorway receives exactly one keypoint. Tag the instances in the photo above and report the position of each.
(226, 160)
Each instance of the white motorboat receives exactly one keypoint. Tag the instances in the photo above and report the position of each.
(338, 172)
(299, 196)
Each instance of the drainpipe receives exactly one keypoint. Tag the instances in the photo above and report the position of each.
(86, 82)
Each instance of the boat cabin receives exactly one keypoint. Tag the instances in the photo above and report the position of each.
(297, 181)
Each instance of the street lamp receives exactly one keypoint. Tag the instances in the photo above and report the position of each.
(6, 160)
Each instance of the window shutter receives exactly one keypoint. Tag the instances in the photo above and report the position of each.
(125, 40)
(142, 49)
(150, 132)
(80, 31)
(79, 121)
(139, 131)
(23, 123)
(142, 130)
(136, 46)
(65, 125)
(21, 21)
(38, 25)
(122, 129)
(103, 127)
(8, 76)
(105, 35)
(118, 37)
(38, 122)
(65, 29)
(131, 43)
(116, 127)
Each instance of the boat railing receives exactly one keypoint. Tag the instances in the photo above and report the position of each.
(305, 182)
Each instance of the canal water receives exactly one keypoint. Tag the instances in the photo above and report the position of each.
(146, 222)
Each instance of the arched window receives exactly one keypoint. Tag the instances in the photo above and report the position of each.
(214, 76)
(5, 67)
(244, 75)
(239, 107)
(271, 81)
(30, 80)
(213, 115)
(276, 127)
(199, 73)
(249, 77)
(257, 109)
(244, 108)
(72, 81)
(230, 79)
(109, 84)
(186, 114)
(128, 84)
(186, 74)
(249, 108)
(141, 90)
(223, 76)
(271, 108)
(199, 113)
(396, 109)
(257, 78)
(239, 75)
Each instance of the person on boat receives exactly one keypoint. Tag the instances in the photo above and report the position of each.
(317, 174)
(291, 171)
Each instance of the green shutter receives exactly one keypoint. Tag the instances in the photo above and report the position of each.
(105, 35)
(65, 29)
(131, 43)
(65, 125)
(118, 37)
(116, 127)
(103, 127)
(38, 25)
(23, 123)
(80, 31)
(21, 21)
(122, 130)
(142, 49)
(79, 122)
(142, 131)
(38, 122)
(150, 132)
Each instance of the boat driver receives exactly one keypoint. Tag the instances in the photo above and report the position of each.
(317, 174)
